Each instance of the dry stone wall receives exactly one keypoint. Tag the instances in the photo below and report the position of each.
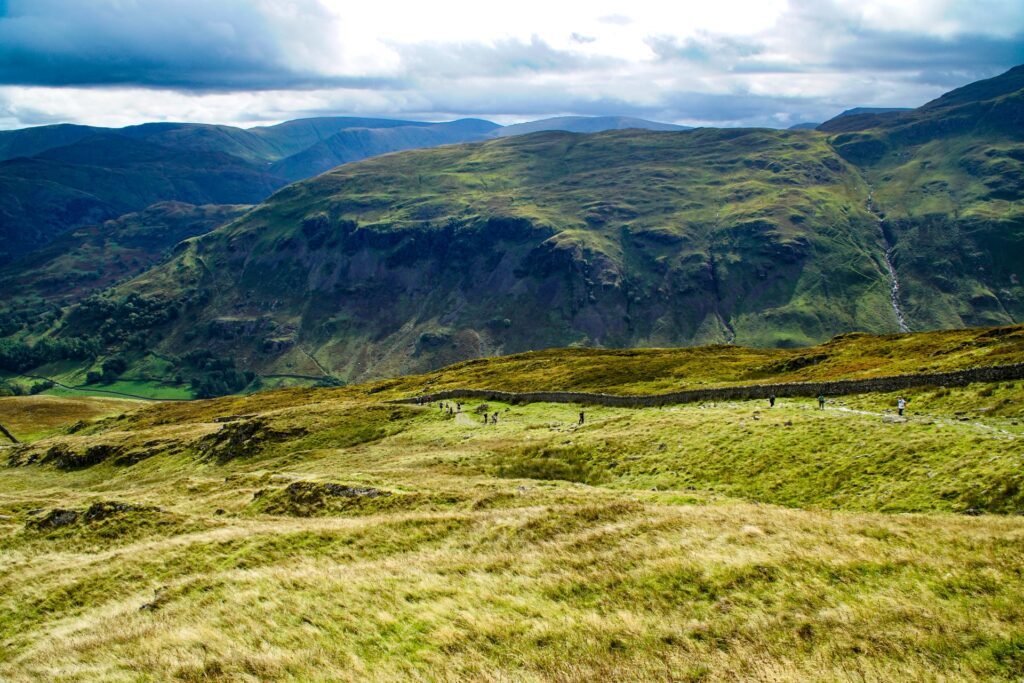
(998, 373)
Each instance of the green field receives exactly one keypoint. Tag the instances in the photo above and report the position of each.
(325, 534)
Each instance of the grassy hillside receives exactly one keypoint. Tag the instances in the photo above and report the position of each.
(30, 418)
(410, 261)
(651, 371)
(324, 533)
(948, 182)
(94, 257)
(102, 177)
(57, 178)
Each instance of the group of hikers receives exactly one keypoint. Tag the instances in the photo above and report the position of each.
(455, 408)
(492, 418)
(901, 403)
(488, 417)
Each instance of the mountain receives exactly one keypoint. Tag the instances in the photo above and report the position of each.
(82, 261)
(105, 175)
(619, 238)
(58, 178)
(623, 238)
(353, 144)
(28, 142)
(583, 124)
(61, 177)
(948, 183)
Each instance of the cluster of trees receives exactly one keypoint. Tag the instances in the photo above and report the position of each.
(14, 320)
(109, 371)
(120, 320)
(121, 326)
(20, 356)
(215, 376)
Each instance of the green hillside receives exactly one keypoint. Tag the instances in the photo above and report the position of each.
(407, 262)
(616, 239)
(54, 179)
(329, 534)
(949, 182)
(94, 257)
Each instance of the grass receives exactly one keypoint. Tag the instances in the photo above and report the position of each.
(644, 371)
(735, 230)
(145, 389)
(31, 418)
(324, 534)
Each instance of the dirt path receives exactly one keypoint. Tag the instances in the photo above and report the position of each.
(464, 419)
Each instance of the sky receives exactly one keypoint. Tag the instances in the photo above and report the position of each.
(708, 62)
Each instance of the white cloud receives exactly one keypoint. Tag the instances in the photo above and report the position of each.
(767, 62)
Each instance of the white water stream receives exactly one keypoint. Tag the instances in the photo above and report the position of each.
(894, 286)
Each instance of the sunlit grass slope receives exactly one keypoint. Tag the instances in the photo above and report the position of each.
(325, 534)
(32, 417)
(640, 371)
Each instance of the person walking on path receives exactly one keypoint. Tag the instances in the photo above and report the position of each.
(821, 401)
(771, 400)
(581, 418)
(901, 405)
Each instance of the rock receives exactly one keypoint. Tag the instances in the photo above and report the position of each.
(54, 519)
(893, 419)
(104, 509)
(77, 427)
(62, 457)
(972, 512)
(242, 438)
(219, 511)
(304, 487)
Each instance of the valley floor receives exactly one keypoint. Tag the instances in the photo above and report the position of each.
(325, 535)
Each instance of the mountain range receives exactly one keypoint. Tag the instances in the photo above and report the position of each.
(61, 177)
(877, 221)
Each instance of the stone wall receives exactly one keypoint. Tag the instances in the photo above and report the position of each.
(998, 373)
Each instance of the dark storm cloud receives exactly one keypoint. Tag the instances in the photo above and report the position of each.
(902, 51)
(179, 44)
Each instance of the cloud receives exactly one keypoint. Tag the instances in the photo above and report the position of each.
(180, 44)
(771, 62)
(504, 58)
(615, 19)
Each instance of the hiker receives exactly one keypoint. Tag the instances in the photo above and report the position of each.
(485, 418)
(771, 400)
(494, 418)
(901, 405)
(581, 418)
(821, 401)
(458, 407)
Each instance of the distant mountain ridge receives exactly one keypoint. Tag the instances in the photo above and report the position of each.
(584, 124)
(61, 177)
(408, 261)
